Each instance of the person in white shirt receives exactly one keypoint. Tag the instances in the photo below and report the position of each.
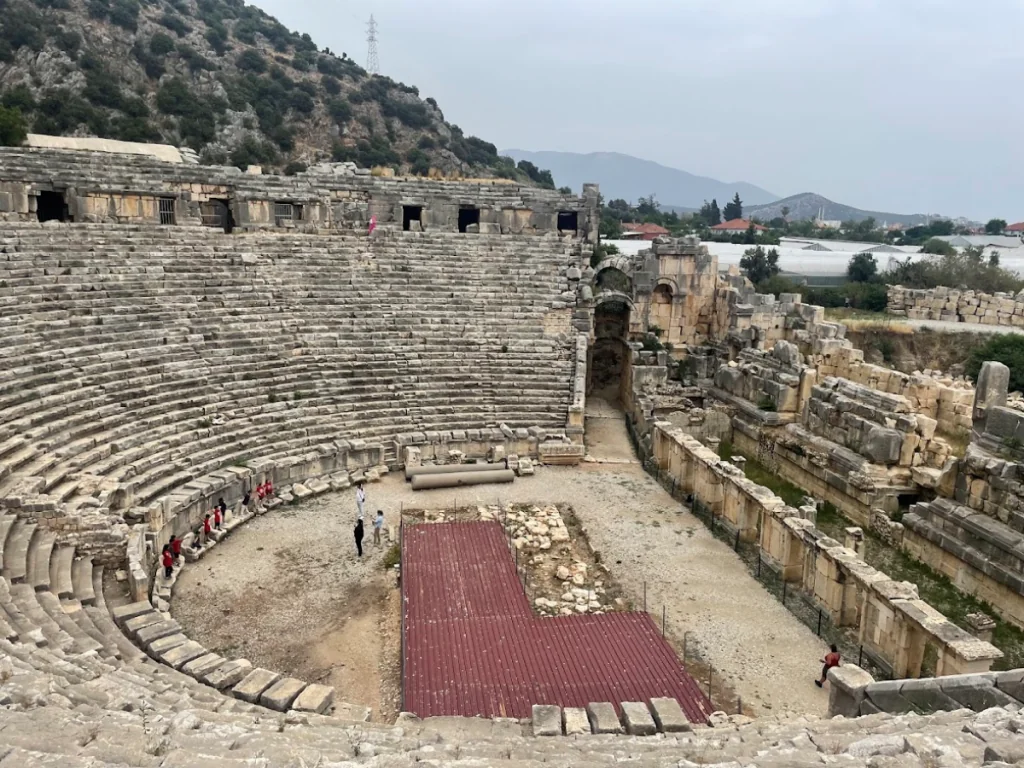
(360, 499)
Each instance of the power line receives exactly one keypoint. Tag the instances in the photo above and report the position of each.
(372, 62)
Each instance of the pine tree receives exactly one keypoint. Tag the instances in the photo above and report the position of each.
(734, 209)
(716, 215)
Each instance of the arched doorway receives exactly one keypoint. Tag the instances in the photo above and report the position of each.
(661, 309)
(610, 354)
(613, 279)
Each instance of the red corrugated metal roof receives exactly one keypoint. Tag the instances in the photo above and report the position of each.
(1018, 227)
(738, 224)
(474, 648)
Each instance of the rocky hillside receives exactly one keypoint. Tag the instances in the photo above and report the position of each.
(223, 78)
(809, 205)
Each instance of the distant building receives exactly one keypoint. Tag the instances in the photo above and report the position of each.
(1015, 230)
(642, 231)
(736, 227)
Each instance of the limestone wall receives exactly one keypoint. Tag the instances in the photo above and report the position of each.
(889, 617)
(953, 305)
(776, 381)
(126, 188)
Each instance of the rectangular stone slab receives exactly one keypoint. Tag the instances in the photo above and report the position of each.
(252, 686)
(638, 719)
(281, 694)
(603, 718)
(123, 613)
(227, 674)
(133, 625)
(181, 654)
(314, 698)
(669, 716)
(547, 720)
(147, 635)
(164, 644)
(203, 664)
(575, 721)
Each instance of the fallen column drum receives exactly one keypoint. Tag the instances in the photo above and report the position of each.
(458, 479)
(450, 469)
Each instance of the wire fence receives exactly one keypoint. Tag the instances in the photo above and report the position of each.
(792, 596)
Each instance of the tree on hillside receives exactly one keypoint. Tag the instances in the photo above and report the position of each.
(995, 226)
(750, 236)
(648, 206)
(759, 265)
(785, 212)
(862, 268)
(12, 127)
(734, 209)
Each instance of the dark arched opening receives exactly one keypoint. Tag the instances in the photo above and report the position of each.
(610, 354)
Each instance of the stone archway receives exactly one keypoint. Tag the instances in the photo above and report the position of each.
(661, 310)
(613, 279)
(610, 355)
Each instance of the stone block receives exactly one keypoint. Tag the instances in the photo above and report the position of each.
(123, 613)
(638, 719)
(148, 634)
(547, 720)
(133, 625)
(975, 692)
(281, 694)
(885, 696)
(252, 686)
(1009, 751)
(182, 653)
(1011, 683)
(203, 664)
(874, 746)
(927, 696)
(669, 716)
(847, 685)
(575, 722)
(603, 718)
(314, 698)
(163, 644)
(227, 674)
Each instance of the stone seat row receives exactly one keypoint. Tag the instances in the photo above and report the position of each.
(54, 620)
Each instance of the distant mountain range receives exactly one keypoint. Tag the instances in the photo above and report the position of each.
(809, 205)
(631, 178)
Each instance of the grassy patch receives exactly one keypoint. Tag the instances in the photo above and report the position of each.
(393, 556)
(757, 472)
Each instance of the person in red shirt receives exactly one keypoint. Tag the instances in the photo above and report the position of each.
(168, 561)
(176, 548)
(270, 488)
(206, 529)
(830, 660)
(217, 518)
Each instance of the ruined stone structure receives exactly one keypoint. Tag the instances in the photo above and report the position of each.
(177, 333)
(956, 306)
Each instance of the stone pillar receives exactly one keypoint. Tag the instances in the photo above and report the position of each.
(807, 512)
(908, 652)
(846, 690)
(980, 625)
(854, 540)
(990, 391)
(740, 462)
(792, 555)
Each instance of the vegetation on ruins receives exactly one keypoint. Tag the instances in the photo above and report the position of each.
(1006, 348)
(862, 268)
(225, 79)
(759, 265)
(970, 269)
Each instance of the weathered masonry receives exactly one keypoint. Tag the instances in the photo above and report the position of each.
(112, 187)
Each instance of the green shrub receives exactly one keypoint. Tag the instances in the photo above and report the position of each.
(251, 61)
(426, 142)
(160, 44)
(12, 127)
(195, 60)
(301, 102)
(294, 167)
(22, 26)
(174, 23)
(392, 557)
(418, 161)
(339, 110)
(102, 89)
(253, 152)
(19, 97)
(125, 14)
(331, 85)
(68, 41)
(217, 36)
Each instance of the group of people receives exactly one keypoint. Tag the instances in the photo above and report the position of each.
(378, 521)
(212, 521)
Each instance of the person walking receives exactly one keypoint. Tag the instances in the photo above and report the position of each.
(378, 524)
(360, 499)
(830, 660)
(168, 561)
(359, 536)
(206, 529)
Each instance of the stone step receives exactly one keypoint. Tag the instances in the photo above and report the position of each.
(16, 548)
(39, 553)
(82, 581)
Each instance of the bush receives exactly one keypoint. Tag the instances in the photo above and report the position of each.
(1003, 348)
(22, 26)
(301, 102)
(217, 36)
(19, 97)
(759, 264)
(125, 14)
(862, 268)
(969, 269)
(426, 142)
(331, 85)
(160, 44)
(253, 152)
(418, 161)
(294, 167)
(101, 89)
(175, 24)
(340, 110)
(12, 127)
(195, 60)
(870, 297)
(251, 61)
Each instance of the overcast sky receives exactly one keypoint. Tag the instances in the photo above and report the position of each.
(910, 106)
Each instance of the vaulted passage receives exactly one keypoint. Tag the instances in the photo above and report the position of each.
(51, 206)
(610, 354)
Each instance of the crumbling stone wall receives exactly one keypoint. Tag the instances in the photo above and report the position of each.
(956, 306)
(889, 616)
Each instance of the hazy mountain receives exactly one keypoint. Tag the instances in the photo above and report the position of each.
(809, 205)
(630, 178)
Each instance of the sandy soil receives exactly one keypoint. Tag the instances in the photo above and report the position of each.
(304, 605)
(289, 594)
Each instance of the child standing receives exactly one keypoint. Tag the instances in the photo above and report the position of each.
(176, 548)
(168, 561)
(378, 524)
